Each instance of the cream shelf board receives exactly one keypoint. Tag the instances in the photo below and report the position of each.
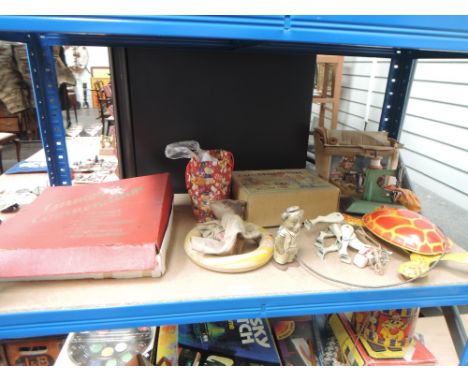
(185, 282)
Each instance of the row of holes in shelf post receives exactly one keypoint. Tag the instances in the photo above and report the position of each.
(55, 115)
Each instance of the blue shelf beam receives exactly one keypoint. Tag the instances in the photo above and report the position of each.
(43, 323)
(437, 33)
(48, 109)
(13, 36)
(26, 324)
(172, 42)
(438, 36)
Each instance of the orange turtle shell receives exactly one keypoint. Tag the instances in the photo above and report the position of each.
(406, 229)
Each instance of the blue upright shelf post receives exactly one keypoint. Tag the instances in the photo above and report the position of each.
(48, 109)
(464, 357)
(398, 84)
(457, 330)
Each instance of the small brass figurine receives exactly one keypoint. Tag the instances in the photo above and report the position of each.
(286, 247)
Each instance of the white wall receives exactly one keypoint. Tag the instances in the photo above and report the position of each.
(435, 129)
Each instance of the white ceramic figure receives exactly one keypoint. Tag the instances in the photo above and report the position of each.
(286, 247)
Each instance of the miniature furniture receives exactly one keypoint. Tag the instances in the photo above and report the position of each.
(8, 138)
(369, 144)
(328, 86)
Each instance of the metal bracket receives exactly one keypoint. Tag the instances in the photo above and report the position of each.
(399, 78)
(48, 109)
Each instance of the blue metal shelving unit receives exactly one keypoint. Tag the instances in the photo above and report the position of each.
(401, 38)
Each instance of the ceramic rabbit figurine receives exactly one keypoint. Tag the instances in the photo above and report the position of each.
(286, 248)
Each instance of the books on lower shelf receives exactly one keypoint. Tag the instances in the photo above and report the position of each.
(357, 351)
(247, 342)
(291, 341)
(112, 230)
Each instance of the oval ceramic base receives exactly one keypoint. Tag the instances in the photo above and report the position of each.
(232, 263)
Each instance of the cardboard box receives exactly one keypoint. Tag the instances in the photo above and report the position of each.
(33, 351)
(269, 192)
(117, 229)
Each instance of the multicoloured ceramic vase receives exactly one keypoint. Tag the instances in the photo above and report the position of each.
(210, 180)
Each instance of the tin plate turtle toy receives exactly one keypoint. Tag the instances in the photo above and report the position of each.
(406, 229)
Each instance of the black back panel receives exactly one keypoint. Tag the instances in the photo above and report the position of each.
(256, 105)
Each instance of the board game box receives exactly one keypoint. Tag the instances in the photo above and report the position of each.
(269, 192)
(295, 340)
(117, 229)
(39, 351)
(245, 342)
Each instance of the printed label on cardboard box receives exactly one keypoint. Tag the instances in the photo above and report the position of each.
(279, 181)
